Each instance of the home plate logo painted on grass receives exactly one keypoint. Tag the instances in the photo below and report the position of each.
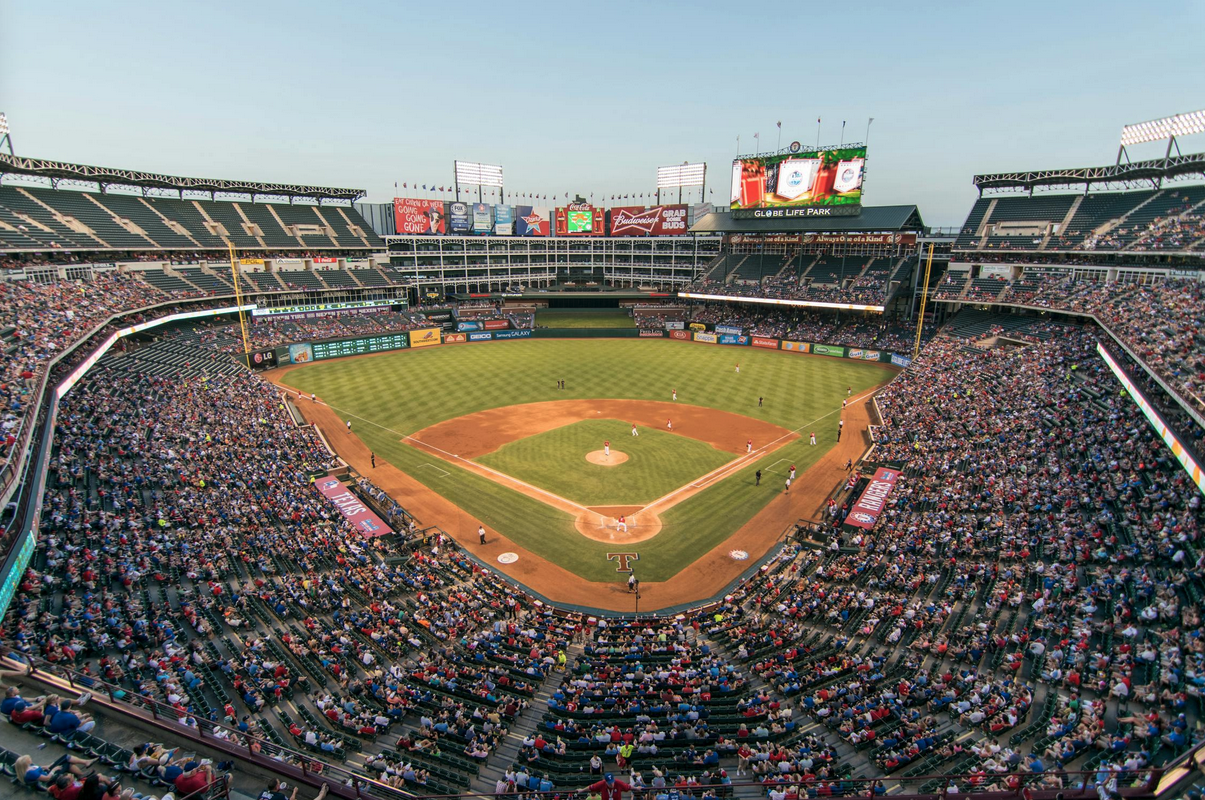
(738, 555)
(508, 558)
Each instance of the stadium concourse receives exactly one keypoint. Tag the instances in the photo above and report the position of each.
(1024, 616)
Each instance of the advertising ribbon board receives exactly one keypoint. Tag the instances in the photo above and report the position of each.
(352, 508)
(761, 341)
(324, 260)
(729, 329)
(682, 336)
(702, 336)
(828, 350)
(480, 337)
(797, 347)
(512, 334)
(674, 325)
(732, 338)
(873, 499)
(901, 361)
(496, 325)
(424, 337)
(454, 338)
(468, 326)
(652, 334)
(698, 326)
(263, 359)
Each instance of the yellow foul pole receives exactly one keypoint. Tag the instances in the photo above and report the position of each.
(238, 298)
(924, 298)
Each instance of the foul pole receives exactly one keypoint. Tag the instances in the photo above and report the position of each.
(238, 299)
(924, 297)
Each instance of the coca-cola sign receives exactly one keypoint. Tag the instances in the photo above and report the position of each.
(657, 221)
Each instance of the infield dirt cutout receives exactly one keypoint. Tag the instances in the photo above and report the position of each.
(603, 459)
(465, 438)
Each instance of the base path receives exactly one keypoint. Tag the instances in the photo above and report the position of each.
(484, 432)
(696, 582)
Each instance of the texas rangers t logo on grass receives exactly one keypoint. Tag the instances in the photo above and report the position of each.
(625, 560)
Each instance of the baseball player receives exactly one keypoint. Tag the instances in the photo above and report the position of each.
(844, 403)
(840, 427)
(748, 445)
(788, 490)
(757, 476)
(849, 390)
(675, 395)
(849, 464)
(813, 437)
(669, 423)
(634, 431)
(738, 369)
(349, 426)
(621, 524)
(481, 533)
(607, 448)
(792, 472)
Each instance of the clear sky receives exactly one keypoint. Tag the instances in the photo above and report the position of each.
(590, 97)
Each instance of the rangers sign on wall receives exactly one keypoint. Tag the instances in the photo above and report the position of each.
(656, 221)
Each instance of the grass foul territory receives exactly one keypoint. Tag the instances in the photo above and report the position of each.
(586, 318)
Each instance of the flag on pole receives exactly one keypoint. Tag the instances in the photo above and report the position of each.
(779, 124)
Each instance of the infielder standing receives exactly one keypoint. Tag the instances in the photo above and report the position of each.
(813, 438)
(634, 431)
(792, 472)
(669, 423)
(748, 445)
(788, 491)
(675, 395)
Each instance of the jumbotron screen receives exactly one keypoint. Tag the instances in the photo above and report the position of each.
(826, 182)
(581, 221)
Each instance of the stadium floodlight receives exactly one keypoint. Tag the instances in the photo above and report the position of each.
(681, 175)
(1156, 130)
(474, 174)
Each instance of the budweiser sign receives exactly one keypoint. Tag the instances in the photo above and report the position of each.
(656, 221)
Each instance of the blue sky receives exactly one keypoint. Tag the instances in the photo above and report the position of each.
(591, 97)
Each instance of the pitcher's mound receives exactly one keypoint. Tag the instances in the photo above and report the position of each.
(615, 459)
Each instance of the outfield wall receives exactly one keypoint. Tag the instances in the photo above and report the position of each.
(309, 352)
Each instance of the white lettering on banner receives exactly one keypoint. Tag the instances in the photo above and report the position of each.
(875, 496)
(348, 502)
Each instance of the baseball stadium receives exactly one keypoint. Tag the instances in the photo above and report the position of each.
(546, 477)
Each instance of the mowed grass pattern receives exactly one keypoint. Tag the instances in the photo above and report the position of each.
(399, 393)
(658, 462)
(608, 318)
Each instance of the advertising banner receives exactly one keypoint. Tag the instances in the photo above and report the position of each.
(761, 341)
(324, 260)
(454, 338)
(641, 221)
(483, 222)
(871, 355)
(417, 215)
(710, 338)
(580, 219)
(853, 353)
(729, 329)
(901, 361)
(263, 359)
(468, 326)
(652, 334)
(860, 238)
(480, 337)
(424, 337)
(459, 217)
(873, 499)
(512, 334)
(352, 508)
(797, 347)
(251, 262)
(496, 325)
(698, 326)
(682, 336)
(504, 220)
(531, 221)
(674, 325)
(732, 338)
(301, 353)
(764, 238)
(828, 350)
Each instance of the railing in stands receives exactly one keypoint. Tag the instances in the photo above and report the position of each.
(1158, 782)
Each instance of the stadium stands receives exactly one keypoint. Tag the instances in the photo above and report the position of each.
(39, 218)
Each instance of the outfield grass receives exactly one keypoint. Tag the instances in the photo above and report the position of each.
(586, 318)
(398, 393)
(658, 462)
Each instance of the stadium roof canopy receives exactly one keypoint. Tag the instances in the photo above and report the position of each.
(872, 218)
(1154, 171)
(57, 171)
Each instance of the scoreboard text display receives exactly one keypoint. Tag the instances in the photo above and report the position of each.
(319, 351)
(799, 184)
(580, 219)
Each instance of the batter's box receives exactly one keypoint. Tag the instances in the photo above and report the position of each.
(443, 473)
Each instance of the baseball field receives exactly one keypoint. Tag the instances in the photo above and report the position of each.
(486, 428)
(585, 318)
